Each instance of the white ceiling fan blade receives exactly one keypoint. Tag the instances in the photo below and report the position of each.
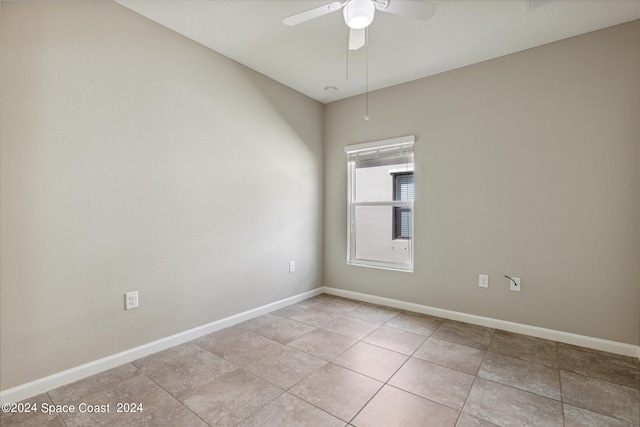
(357, 38)
(415, 9)
(310, 14)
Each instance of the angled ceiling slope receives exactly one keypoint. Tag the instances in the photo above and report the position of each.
(312, 56)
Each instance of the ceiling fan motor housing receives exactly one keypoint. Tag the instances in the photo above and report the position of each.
(358, 14)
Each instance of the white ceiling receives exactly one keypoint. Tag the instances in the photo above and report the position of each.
(312, 55)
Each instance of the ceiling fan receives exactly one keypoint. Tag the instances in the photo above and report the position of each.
(358, 14)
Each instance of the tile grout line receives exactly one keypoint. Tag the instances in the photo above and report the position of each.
(579, 406)
(386, 383)
(58, 415)
(380, 325)
(345, 350)
(564, 422)
(286, 391)
(475, 378)
(248, 372)
(391, 376)
(442, 321)
(170, 394)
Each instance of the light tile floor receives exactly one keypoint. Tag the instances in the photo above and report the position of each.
(330, 361)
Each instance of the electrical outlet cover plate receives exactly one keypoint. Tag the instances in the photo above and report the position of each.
(483, 281)
(515, 286)
(131, 300)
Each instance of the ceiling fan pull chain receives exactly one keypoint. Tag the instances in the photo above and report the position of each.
(347, 57)
(366, 91)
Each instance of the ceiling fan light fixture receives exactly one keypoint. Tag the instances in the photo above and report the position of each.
(358, 14)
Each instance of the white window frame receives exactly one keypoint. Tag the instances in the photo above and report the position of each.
(394, 147)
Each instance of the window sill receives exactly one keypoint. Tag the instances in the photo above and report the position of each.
(383, 266)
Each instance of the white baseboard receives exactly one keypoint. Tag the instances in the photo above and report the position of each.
(68, 376)
(534, 331)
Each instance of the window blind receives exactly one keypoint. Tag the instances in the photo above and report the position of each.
(371, 151)
(403, 190)
(403, 223)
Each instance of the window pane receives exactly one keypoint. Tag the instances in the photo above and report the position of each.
(374, 236)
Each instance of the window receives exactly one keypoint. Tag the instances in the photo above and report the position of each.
(381, 194)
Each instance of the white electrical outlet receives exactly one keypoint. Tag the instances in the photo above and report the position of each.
(483, 281)
(292, 266)
(131, 300)
(514, 283)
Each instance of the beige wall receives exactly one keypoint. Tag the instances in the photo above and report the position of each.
(526, 165)
(135, 159)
